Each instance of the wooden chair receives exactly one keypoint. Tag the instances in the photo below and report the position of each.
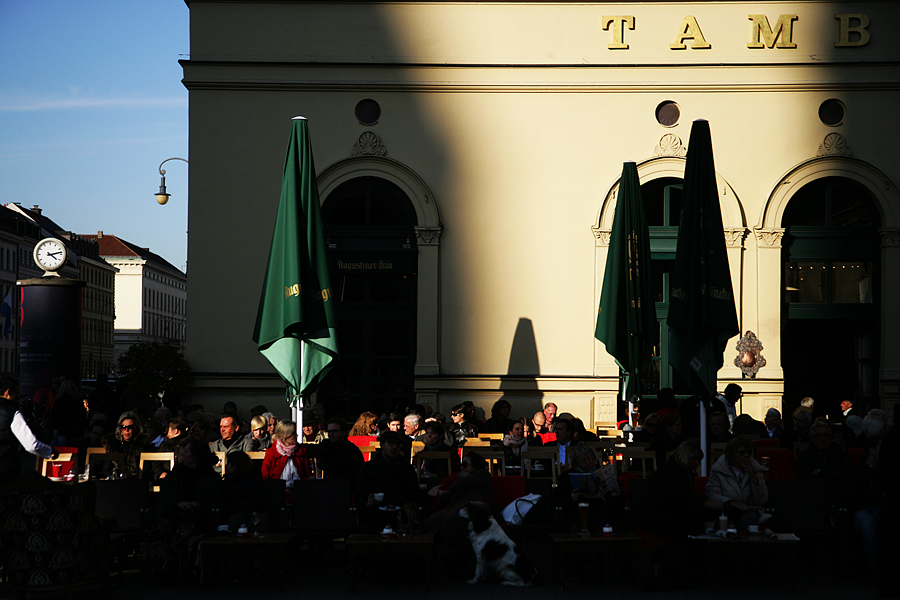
(64, 459)
(490, 436)
(610, 433)
(543, 455)
(97, 462)
(477, 443)
(635, 461)
(422, 455)
(257, 458)
(495, 457)
(221, 461)
(367, 451)
(415, 449)
(156, 457)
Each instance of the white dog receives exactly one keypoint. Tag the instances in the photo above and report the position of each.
(493, 548)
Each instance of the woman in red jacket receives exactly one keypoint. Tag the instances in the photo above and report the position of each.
(286, 459)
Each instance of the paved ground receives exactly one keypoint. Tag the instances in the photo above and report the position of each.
(313, 577)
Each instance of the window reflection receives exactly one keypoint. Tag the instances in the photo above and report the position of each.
(852, 282)
(819, 282)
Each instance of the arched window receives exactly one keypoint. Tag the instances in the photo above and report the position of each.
(370, 233)
(831, 254)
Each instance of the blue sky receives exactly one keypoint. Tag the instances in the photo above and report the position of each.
(91, 102)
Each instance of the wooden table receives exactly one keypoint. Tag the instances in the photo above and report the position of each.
(722, 555)
(273, 547)
(363, 547)
(566, 545)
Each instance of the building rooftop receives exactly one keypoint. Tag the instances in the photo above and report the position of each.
(115, 247)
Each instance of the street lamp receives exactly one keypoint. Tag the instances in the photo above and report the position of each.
(162, 197)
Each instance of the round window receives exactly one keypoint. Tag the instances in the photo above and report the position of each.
(368, 111)
(668, 113)
(831, 112)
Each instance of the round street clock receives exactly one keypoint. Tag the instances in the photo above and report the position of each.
(50, 254)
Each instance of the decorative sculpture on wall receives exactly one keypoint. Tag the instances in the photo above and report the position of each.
(670, 145)
(834, 144)
(749, 359)
(368, 144)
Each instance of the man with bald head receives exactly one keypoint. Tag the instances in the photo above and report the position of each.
(538, 420)
(550, 411)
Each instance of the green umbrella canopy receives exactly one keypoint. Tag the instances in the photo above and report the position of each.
(626, 321)
(295, 324)
(702, 316)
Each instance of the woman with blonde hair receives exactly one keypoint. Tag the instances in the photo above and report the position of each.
(259, 429)
(128, 440)
(287, 459)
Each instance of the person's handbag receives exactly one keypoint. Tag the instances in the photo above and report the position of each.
(515, 511)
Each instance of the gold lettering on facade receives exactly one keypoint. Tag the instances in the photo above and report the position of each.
(381, 265)
(618, 23)
(852, 23)
(690, 30)
(291, 290)
(784, 29)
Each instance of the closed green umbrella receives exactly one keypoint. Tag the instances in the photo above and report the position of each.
(702, 316)
(626, 321)
(295, 324)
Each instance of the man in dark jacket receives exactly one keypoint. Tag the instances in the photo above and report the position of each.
(386, 482)
(337, 457)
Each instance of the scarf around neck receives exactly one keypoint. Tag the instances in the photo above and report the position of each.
(517, 446)
(285, 450)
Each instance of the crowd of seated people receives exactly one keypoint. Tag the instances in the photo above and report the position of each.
(386, 485)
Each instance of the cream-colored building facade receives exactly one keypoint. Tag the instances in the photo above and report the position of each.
(505, 125)
(150, 295)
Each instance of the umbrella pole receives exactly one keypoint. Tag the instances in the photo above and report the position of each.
(704, 464)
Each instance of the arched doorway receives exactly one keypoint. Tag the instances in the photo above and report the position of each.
(830, 318)
(369, 226)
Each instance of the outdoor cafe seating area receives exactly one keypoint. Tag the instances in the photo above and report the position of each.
(106, 514)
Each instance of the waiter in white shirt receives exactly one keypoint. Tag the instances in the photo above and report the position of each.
(14, 432)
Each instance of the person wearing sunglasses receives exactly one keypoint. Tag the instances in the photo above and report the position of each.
(461, 428)
(129, 440)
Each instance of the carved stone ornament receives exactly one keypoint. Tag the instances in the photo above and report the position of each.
(428, 236)
(368, 144)
(749, 359)
(890, 237)
(670, 145)
(734, 237)
(770, 238)
(834, 145)
(601, 236)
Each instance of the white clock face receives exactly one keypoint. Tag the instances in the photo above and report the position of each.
(50, 255)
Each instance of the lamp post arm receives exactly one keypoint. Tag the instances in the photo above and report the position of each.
(162, 172)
